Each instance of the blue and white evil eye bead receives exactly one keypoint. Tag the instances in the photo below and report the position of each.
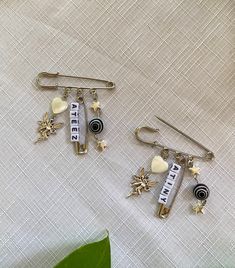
(96, 125)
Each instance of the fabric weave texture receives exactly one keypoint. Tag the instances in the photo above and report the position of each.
(171, 58)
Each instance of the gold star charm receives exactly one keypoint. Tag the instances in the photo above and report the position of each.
(199, 207)
(101, 145)
(141, 183)
(96, 106)
(47, 127)
(195, 170)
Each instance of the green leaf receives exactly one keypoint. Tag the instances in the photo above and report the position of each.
(94, 255)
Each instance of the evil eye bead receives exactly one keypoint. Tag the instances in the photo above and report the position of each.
(201, 191)
(96, 125)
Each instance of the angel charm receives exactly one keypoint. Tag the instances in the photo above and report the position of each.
(47, 127)
(141, 183)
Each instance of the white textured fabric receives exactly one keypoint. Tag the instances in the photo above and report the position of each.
(172, 58)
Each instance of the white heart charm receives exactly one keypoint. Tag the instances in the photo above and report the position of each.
(159, 165)
(58, 105)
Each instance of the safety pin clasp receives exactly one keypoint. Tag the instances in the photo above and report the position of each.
(145, 128)
(40, 81)
(45, 75)
(209, 155)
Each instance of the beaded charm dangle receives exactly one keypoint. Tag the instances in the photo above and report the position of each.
(96, 125)
(200, 190)
(48, 125)
(159, 164)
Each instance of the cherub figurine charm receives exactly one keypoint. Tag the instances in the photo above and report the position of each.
(47, 127)
(96, 125)
(141, 183)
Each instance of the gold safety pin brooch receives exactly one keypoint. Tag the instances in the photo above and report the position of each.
(79, 124)
(209, 155)
(45, 76)
(142, 183)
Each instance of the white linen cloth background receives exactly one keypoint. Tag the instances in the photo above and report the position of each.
(172, 58)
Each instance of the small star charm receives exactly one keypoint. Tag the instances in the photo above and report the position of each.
(141, 183)
(195, 170)
(47, 127)
(96, 106)
(199, 207)
(101, 145)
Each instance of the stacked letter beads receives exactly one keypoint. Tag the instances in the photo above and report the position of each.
(169, 183)
(74, 121)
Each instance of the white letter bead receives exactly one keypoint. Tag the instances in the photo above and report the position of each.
(169, 183)
(162, 199)
(172, 175)
(175, 168)
(74, 130)
(74, 122)
(73, 114)
(74, 106)
(74, 137)
(165, 191)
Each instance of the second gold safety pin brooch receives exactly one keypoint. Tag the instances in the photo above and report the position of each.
(78, 118)
(174, 172)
